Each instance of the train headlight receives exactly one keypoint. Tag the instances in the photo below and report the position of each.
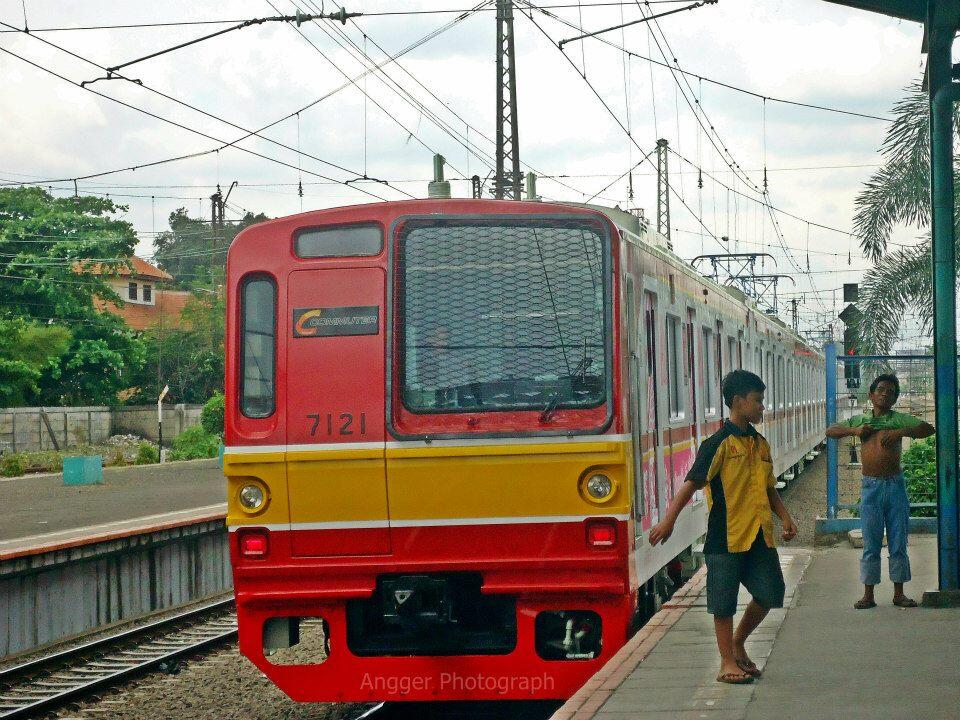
(598, 488)
(252, 497)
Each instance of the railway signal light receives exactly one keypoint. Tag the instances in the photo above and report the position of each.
(851, 316)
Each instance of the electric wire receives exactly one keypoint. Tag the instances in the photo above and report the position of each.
(622, 127)
(439, 11)
(392, 58)
(704, 78)
(190, 106)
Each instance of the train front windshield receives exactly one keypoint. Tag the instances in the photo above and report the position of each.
(502, 314)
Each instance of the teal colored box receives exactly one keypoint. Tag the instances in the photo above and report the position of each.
(83, 470)
(220, 457)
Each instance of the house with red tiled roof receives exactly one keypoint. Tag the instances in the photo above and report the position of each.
(147, 303)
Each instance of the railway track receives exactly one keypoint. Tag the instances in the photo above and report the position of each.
(51, 681)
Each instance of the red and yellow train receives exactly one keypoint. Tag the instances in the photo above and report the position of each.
(450, 425)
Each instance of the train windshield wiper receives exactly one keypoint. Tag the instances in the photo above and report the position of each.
(580, 371)
(552, 403)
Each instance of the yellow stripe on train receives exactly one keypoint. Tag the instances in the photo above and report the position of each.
(427, 482)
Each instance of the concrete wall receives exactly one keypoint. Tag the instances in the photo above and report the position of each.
(142, 420)
(24, 428)
(54, 595)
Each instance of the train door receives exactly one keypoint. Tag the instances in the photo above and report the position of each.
(654, 461)
(336, 466)
(684, 429)
(637, 429)
(673, 338)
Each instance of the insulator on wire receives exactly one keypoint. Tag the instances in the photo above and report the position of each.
(300, 188)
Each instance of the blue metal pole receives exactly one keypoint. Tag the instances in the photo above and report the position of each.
(943, 93)
(830, 353)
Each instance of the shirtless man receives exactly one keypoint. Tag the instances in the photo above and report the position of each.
(883, 499)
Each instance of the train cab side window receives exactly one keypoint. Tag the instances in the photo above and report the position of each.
(344, 241)
(258, 329)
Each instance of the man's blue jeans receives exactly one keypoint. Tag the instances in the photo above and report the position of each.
(884, 503)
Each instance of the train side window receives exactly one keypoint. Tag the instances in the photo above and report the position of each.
(258, 330)
(710, 379)
(690, 369)
(343, 241)
(733, 360)
(673, 367)
(781, 385)
(771, 384)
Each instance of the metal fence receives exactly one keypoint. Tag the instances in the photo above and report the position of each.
(847, 389)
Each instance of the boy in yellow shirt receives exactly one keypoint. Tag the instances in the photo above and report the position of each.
(735, 467)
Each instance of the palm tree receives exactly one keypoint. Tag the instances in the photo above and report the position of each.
(898, 194)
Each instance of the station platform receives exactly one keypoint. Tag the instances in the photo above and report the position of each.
(821, 659)
(41, 510)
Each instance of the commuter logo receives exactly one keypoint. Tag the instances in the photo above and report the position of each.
(336, 321)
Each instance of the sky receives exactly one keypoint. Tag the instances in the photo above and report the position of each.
(440, 97)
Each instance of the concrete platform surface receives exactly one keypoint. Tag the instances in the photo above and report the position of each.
(821, 658)
(38, 506)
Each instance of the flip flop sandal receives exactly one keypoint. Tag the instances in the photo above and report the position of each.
(864, 604)
(906, 603)
(750, 668)
(734, 678)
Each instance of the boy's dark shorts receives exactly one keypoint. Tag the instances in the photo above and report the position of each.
(758, 570)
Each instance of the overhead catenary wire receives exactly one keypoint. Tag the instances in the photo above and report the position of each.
(335, 66)
(621, 125)
(763, 198)
(166, 96)
(390, 59)
(385, 13)
(486, 158)
(704, 78)
(223, 143)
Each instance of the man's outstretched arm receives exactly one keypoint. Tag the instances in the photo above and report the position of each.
(841, 431)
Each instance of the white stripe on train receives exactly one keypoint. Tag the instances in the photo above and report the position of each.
(435, 522)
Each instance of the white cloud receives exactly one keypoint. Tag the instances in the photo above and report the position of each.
(807, 50)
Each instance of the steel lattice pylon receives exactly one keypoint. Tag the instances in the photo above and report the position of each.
(663, 192)
(507, 182)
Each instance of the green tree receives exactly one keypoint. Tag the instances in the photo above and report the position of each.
(185, 251)
(55, 257)
(189, 358)
(898, 194)
(26, 350)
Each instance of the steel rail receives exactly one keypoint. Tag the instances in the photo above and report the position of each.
(52, 680)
